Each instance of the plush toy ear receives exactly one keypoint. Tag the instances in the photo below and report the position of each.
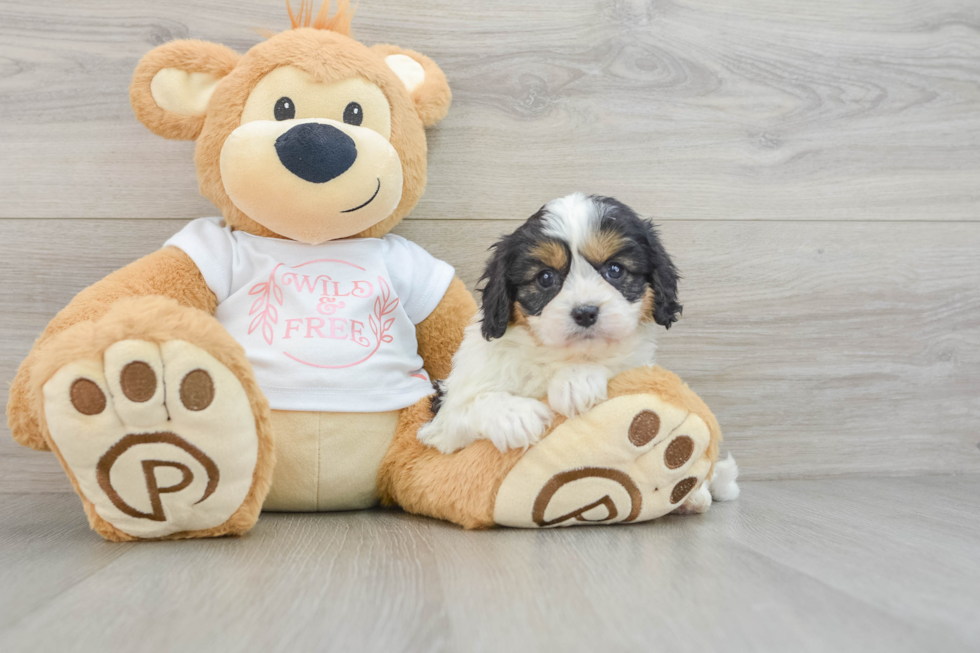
(173, 84)
(426, 83)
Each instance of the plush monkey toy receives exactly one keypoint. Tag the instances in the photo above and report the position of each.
(283, 357)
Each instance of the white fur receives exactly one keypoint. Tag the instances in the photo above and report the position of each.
(697, 503)
(496, 389)
(572, 218)
(575, 389)
(723, 486)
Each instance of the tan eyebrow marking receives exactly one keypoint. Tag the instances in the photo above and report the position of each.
(551, 253)
(600, 246)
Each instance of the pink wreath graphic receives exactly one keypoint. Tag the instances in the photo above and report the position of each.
(268, 315)
(269, 293)
(383, 306)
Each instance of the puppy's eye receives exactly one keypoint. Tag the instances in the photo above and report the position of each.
(354, 114)
(546, 278)
(285, 109)
(614, 271)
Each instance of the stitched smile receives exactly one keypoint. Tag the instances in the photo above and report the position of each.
(377, 190)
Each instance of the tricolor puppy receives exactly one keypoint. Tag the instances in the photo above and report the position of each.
(572, 298)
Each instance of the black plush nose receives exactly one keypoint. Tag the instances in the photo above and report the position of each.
(585, 316)
(316, 152)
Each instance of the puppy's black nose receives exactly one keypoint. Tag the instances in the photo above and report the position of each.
(315, 152)
(585, 316)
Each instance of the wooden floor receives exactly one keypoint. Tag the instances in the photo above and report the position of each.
(846, 565)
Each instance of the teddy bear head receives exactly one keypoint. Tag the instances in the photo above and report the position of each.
(309, 136)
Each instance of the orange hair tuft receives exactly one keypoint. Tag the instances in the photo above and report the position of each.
(339, 22)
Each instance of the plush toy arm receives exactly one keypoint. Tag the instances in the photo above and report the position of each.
(168, 272)
(440, 334)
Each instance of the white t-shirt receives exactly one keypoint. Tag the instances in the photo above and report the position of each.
(326, 327)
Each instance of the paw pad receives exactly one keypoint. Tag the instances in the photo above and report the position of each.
(644, 428)
(197, 390)
(138, 382)
(87, 397)
(678, 452)
(160, 438)
(682, 489)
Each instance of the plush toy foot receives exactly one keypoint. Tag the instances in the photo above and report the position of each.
(630, 459)
(160, 439)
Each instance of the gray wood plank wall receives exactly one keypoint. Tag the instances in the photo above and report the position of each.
(815, 167)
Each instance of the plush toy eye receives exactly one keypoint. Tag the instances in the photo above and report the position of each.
(353, 114)
(614, 271)
(285, 109)
(546, 278)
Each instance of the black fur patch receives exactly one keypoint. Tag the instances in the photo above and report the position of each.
(511, 276)
(436, 401)
(645, 259)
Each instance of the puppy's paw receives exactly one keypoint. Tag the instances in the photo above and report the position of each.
(577, 389)
(439, 435)
(511, 422)
(697, 502)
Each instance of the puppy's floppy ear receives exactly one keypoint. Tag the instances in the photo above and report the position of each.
(173, 84)
(425, 82)
(497, 298)
(663, 278)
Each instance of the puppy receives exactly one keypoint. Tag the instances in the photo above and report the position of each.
(572, 298)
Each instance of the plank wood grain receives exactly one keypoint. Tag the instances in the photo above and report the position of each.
(829, 565)
(824, 348)
(823, 531)
(689, 109)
